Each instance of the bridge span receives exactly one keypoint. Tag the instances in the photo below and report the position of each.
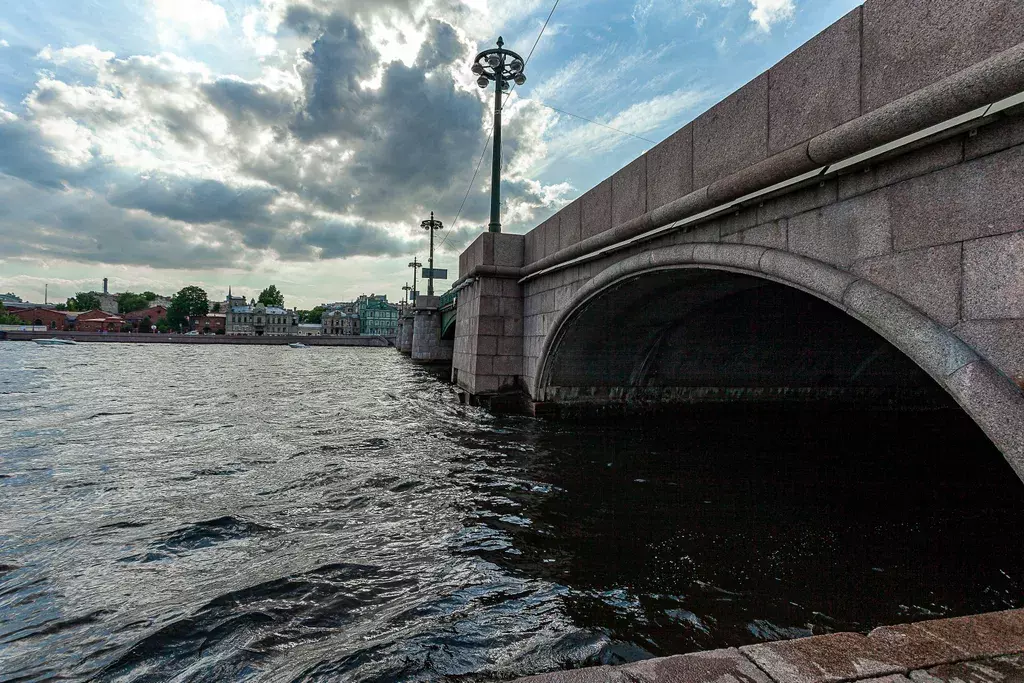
(848, 226)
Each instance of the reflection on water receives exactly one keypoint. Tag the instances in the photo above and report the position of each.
(261, 513)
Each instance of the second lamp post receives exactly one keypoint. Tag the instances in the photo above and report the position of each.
(431, 225)
(503, 67)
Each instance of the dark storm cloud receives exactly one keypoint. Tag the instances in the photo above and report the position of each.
(441, 47)
(340, 240)
(195, 200)
(76, 226)
(341, 56)
(251, 104)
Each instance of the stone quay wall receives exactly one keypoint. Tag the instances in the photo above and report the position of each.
(985, 648)
(122, 338)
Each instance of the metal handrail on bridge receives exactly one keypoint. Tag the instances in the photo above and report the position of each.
(449, 300)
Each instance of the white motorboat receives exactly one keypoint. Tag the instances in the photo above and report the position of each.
(298, 345)
(55, 342)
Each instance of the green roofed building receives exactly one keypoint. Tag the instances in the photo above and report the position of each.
(377, 316)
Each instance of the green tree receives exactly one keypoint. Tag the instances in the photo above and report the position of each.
(314, 316)
(149, 296)
(188, 303)
(216, 307)
(60, 307)
(162, 326)
(85, 301)
(9, 318)
(271, 297)
(128, 302)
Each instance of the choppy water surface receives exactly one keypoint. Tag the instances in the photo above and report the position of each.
(261, 513)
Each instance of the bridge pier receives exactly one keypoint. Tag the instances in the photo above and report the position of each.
(488, 358)
(427, 345)
(403, 341)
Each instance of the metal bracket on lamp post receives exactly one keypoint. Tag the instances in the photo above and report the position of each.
(414, 265)
(501, 66)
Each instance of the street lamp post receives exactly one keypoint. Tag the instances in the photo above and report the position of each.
(501, 66)
(431, 225)
(415, 265)
(406, 289)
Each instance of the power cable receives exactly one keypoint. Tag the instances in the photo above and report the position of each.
(539, 36)
(472, 182)
(596, 123)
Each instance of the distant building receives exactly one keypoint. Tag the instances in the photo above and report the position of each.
(137, 319)
(51, 319)
(259, 320)
(98, 320)
(309, 330)
(211, 322)
(10, 298)
(340, 319)
(377, 316)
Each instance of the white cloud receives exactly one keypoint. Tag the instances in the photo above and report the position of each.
(766, 13)
(4, 43)
(194, 19)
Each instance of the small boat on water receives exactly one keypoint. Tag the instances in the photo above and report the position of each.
(298, 345)
(55, 342)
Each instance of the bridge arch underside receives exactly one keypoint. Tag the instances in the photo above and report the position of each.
(639, 336)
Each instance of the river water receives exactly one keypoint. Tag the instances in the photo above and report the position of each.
(198, 513)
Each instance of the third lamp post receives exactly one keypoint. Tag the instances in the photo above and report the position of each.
(503, 67)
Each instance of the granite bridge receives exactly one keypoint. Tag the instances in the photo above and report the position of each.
(848, 226)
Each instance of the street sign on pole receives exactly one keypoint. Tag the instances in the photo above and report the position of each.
(436, 273)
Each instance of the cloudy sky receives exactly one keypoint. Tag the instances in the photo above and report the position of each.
(161, 143)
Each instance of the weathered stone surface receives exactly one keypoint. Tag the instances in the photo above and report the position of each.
(994, 277)
(929, 344)
(822, 659)
(998, 136)
(1000, 342)
(718, 666)
(629, 191)
(549, 230)
(743, 219)
(912, 647)
(975, 199)
(508, 249)
(808, 274)
(731, 135)
(709, 232)
(597, 210)
(530, 252)
(916, 163)
(803, 200)
(909, 44)
(843, 233)
(928, 278)
(596, 674)
(981, 635)
(765, 173)
(992, 670)
(569, 228)
(768, 235)
(891, 678)
(670, 168)
(993, 401)
(817, 87)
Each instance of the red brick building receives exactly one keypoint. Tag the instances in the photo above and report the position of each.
(98, 321)
(137, 318)
(54, 320)
(212, 322)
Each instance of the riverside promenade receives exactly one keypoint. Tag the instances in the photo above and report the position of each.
(983, 648)
(124, 338)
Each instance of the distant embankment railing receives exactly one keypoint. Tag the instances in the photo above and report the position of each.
(118, 337)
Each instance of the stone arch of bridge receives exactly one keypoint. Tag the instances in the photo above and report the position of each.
(728, 277)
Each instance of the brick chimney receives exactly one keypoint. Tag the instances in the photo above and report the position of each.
(104, 285)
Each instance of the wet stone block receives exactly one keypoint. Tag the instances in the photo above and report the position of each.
(836, 657)
(1008, 669)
